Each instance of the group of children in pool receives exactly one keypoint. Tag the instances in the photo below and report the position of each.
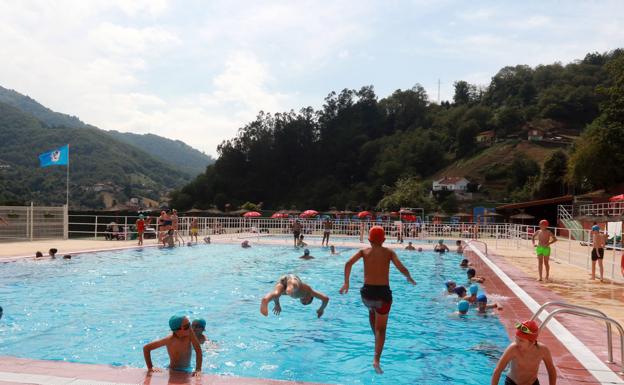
(525, 354)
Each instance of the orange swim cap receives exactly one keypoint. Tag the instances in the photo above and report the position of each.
(377, 235)
(527, 330)
(543, 222)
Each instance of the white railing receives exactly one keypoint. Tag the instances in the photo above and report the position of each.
(565, 212)
(20, 223)
(99, 227)
(602, 209)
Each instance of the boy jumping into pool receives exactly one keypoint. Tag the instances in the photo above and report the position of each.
(545, 238)
(376, 293)
(525, 355)
(178, 345)
(294, 287)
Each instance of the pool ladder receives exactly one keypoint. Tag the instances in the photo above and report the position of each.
(478, 241)
(583, 311)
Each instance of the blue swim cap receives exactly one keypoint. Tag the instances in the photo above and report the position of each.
(201, 322)
(449, 283)
(306, 251)
(482, 298)
(175, 322)
(474, 289)
(595, 228)
(463, 306)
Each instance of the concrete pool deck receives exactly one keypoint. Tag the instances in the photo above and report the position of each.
(518, 264)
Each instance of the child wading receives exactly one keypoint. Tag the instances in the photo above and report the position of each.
(525, 355)
(376, 293)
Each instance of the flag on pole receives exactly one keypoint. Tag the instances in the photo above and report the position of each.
(58, 157)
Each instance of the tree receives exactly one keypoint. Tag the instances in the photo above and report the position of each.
(552, 179)
(598, 157)
(407, 192)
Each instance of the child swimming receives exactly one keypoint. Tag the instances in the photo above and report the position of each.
(473, 290)
(472, 276)
(179, 345)
(462, 307)
(482, 304)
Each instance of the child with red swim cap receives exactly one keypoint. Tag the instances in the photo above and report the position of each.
(545, 238)
(525, 355)
(376, 293)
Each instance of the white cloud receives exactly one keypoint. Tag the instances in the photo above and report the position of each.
(119, 40)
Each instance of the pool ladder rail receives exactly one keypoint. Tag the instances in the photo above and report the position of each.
(478, 241)
(583, 311)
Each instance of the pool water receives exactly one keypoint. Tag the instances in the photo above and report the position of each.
(103, 307)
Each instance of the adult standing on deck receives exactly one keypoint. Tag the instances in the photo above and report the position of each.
(296, 230)
(327, 228)
(376, 293)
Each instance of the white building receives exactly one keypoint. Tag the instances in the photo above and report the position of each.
(451, 183)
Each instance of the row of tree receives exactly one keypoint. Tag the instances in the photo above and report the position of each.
(359, 151)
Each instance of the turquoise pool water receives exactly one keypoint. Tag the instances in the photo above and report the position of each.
(102, 308)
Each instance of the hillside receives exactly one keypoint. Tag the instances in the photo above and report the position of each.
(175, 152)
(30, 106)
(490, 166)
(95, 157)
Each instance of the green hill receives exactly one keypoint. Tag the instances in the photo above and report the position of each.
(175, 152)
(95, 157)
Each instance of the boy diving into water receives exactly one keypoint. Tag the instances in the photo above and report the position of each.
(294, 287)
(376, 293)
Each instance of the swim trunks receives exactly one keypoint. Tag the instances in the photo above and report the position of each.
(194, 231)
(296, 234)
(509, 381)
(377, 298)
(284, 280)
(597, 254)
(167, 223)
(542, 250)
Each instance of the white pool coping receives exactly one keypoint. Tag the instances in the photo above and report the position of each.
(579, 350)
(44, 379)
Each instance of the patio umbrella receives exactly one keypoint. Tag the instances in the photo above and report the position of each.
(522, 216)
(405, 211)
(491, 214)
(617, 198)
(462, 215)
(214, 211)
(238, 212)
(394, 214)
(364, 214)
(194, 211)
(438, 214)
(289, 212)
(332, 212)
(279, 215)
(252, 214)
(308, 214)
(409, 217)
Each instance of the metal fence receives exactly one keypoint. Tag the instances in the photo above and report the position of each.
(33, 222)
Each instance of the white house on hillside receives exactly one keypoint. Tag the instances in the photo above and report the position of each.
(451, 183)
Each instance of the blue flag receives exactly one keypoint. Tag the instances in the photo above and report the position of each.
(58, 157)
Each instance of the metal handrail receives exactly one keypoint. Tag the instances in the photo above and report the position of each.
(588, 309)
(585, 313)
(478, 241)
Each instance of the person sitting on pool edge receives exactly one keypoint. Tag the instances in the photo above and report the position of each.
(410, 247)
(441, 247)
(525, 355)
(306, 254)
(472, 276)
(482, 304)
(294, 287)
(376, 294)
(179, 345)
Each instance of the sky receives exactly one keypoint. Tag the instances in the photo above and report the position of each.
(197, 71)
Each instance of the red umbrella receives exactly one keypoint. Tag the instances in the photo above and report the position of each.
(252, 214)
(364, 214)
(394, 214)
(409, 218)
(308, 214)
(279, 215)
(617, 198)
(404, 211)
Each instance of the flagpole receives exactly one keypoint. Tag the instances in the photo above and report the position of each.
(67, 196)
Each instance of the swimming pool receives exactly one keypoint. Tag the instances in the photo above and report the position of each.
(103, 307)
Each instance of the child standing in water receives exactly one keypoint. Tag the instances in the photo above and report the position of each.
(376, 293)
(525, 355)
(178, 345)
(545, 238)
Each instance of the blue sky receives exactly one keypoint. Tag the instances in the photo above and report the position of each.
(199, 70)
